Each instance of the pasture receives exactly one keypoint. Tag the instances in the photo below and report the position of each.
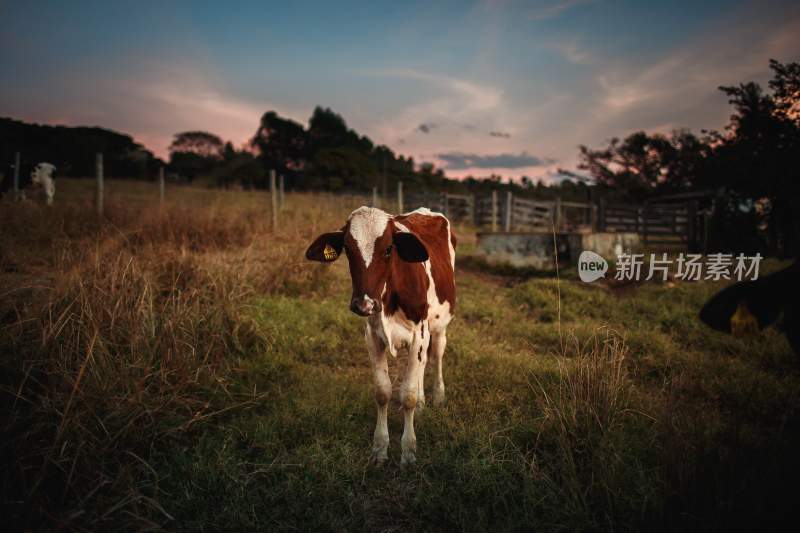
(186, 368)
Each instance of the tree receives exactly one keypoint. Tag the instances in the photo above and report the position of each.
(201, 143)
(757, 159)
(73, 150)
(281, 145)
(645, 165)
(195, 152)
(785, 87)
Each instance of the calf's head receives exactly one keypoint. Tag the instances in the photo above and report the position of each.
(376, 246)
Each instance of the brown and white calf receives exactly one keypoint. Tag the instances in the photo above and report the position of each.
(402, 269)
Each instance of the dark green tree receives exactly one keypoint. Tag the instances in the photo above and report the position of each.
(195, 152)
(642, 165)
(281, 146)
(757, 158)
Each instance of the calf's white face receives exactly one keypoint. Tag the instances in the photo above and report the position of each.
(367, 225)
(373, 244)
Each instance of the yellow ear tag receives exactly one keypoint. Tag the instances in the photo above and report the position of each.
(743, 322)
(329, 253)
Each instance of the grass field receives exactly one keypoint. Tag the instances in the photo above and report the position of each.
(185, 368)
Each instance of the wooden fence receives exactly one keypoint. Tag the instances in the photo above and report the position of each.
(662, 225)
(673, 224)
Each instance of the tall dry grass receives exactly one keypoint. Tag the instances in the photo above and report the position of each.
(119, 333)
(584, 416)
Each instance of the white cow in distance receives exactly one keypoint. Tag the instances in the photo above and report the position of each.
(42, 175)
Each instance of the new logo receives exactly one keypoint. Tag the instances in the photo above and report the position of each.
(591, 266)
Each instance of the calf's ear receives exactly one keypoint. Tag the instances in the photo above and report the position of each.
(326, 248)
(409, 247)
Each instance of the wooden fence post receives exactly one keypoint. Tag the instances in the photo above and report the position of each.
(473, 214)
(161, 186)
(280, 193)
(446, 204)
(593, 218)
(691, 226)
(557, 213)
(16, 194)
(100, 185)
(274, 193)
(509, 208)
(643, 212)
(494, 211)
(399, 197)
(374, 197)
(601, 215)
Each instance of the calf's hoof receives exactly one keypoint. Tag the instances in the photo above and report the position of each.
(439, 399)
(379, 457)
(408, 459)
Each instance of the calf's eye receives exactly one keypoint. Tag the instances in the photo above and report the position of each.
(388, 251)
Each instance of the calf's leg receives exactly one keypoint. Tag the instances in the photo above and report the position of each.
(383, 392)
(438, 343)
(417, 356)
(423, 362)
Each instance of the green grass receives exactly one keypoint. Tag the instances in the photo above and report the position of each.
(493, 457)
(227, 401)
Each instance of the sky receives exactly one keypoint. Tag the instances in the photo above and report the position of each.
(512, 88)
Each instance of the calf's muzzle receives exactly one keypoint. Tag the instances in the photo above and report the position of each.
(364, 305)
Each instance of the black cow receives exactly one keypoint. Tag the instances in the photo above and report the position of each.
(749, 306)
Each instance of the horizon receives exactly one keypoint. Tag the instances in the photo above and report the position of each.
(493, 88)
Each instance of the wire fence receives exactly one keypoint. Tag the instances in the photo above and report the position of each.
(664, 224)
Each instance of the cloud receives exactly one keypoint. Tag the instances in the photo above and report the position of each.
(678, 87)
(461, 160)
(680, 77)
(573, 52)
(474, 96)
(500, 134)
(164, 99)
(554, 9)
(450, 113)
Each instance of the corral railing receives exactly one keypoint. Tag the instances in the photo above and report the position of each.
(671, 224)
(658, 224)
(513, 213)
(458, 207)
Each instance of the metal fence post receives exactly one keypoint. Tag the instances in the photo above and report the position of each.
(374, 197)
(280, 192)
(16, 194)
(509, 208)
(399, 196)
(100, 184)
(446, 204)
(274, 194)
(494, 211)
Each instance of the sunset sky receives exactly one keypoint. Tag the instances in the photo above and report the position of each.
(506, 87)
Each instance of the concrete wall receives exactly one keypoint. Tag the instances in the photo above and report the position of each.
(609, 245)
(536, 249)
